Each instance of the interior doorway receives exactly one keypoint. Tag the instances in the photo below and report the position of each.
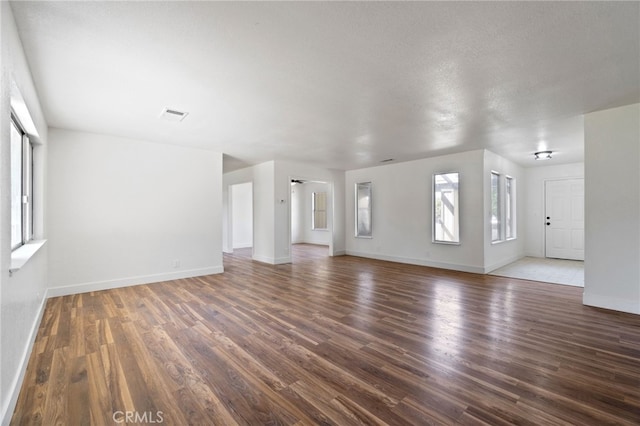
(311, 210)
(241, 215)
(564, 219)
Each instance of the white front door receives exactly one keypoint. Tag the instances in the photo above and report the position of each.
(564, 214)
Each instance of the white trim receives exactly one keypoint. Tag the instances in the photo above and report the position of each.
(271, 260)
(21, 255)
(130, 281)
(420, 262)
(16, 385)
(613, 303)
(339, 253)
(504, 262)
(263, 259)
(242, 245)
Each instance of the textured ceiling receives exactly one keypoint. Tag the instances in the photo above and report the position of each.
(338, 85)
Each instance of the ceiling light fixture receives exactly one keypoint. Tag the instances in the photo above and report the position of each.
(543, 155)
(169, 114)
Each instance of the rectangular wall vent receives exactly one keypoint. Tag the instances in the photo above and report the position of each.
(169, 114)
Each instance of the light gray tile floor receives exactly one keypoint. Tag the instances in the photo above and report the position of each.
(557, 271)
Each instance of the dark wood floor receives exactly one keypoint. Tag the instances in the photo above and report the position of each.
(333, 341)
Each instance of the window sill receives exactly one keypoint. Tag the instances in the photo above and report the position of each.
(504, 241)
(446, 243)
(21, 255)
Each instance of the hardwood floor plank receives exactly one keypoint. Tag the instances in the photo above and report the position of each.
(333, 341)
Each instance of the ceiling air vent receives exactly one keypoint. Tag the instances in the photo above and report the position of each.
(169, 114)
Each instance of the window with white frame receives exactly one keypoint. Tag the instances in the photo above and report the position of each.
(319, 208)
(21, 185)
(496, 208)
(363, 210)
(446, 210)
(510, 207)
(503, 207)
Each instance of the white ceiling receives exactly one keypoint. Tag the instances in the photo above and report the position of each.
(337, 85)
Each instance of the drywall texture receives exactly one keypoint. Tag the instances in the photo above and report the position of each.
(405, 234)
(21, 294)
(263, 212)
(124, 211)
(612, 205)
(535, 178)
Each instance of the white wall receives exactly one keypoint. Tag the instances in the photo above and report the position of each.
(242, 214)
(264, 200)
(502, 253)
(272, 198)
(535, 178)
(284, 172)
(21, 294)
(297, 208)
(301, 214)
(612, 209)
(125, 212)
(402, 212)
(228, 179)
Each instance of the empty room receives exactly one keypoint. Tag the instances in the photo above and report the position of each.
(337, 213)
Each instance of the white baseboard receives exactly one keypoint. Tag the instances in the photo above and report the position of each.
(16, 385)
(339, 253)
(613, 303)
(420, 262)
(243, 245)
(272, 260)
(129, 281)
(502, 263)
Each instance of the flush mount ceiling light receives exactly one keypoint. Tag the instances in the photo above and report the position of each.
(169, 114)
(543, 155)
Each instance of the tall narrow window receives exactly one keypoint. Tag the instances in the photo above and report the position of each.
(363, 210)
(21, 185)
(446, 211)
(510, 207)
(319, 207)
(496, 211)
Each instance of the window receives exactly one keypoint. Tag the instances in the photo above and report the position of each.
(21, 185)
(503, 207)
(496, 216)
(363, 210)
(510, 207)
(319, 208)
(446, 211)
